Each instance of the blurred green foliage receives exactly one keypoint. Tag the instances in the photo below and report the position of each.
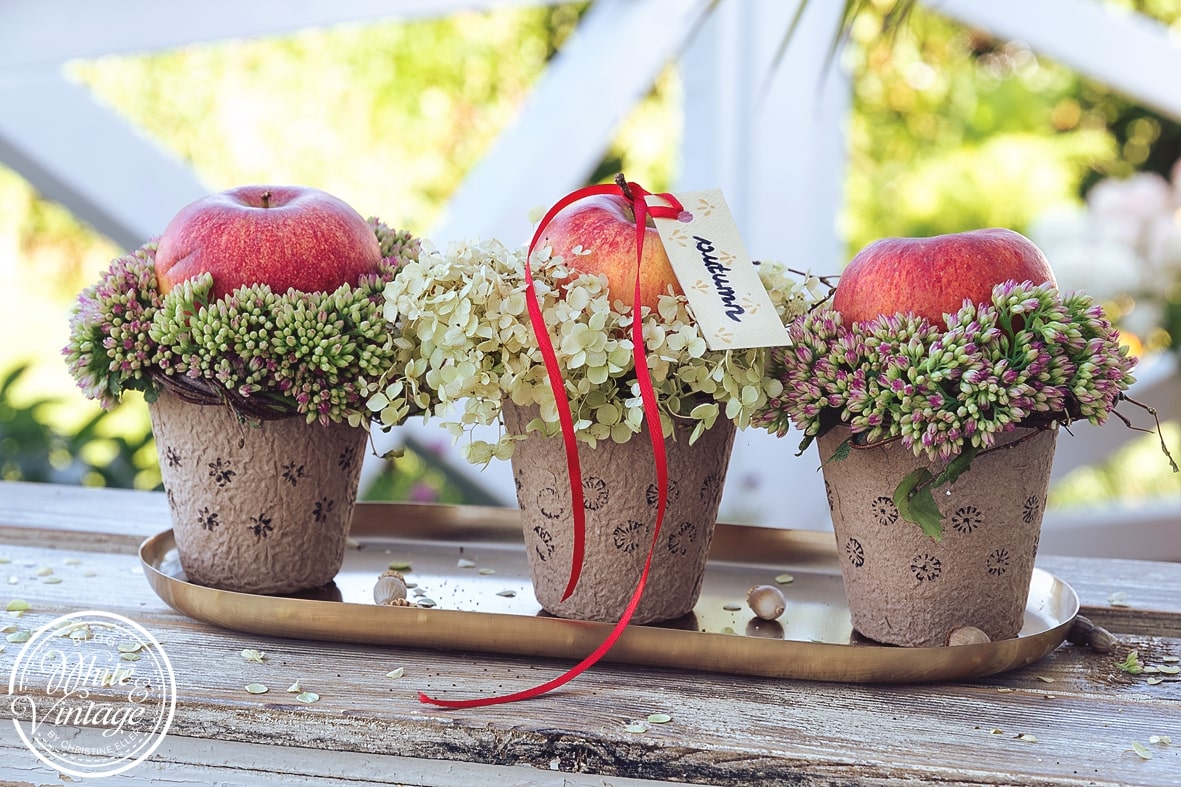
(950, 129)
(35, 448)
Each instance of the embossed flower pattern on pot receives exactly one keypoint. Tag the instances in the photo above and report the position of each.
(1032, 508)
(884, 511)
(627, 536)
(998, 562)
(926, 567)
(855, 552)
(595, 493)
(682, 536)
(966, 519)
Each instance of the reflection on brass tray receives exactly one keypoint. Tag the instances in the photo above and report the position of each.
(471, 563)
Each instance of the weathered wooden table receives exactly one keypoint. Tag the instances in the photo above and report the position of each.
(1071, 718)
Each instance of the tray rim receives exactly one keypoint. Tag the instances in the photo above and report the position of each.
(502, 633)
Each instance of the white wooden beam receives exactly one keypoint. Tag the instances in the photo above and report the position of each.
(82, 155)
(50, 32)
(771, 137)
(1125, 50)
(607, 65)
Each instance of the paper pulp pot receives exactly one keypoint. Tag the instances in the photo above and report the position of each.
(905, 588)
(256, 507)
(620, 499)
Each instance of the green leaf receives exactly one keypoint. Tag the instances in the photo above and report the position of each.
(842, 452)
(956, 467)
(916, 504)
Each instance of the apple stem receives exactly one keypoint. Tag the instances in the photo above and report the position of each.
(621, 181)
(266, 199)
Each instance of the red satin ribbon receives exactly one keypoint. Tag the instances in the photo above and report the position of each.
(642, 210)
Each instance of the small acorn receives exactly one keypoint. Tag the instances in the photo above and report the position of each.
(390, 590)
(766, 601)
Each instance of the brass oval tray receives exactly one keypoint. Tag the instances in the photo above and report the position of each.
(467, 559)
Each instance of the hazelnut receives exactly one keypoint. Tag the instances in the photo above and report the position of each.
(390, 590)
(766, 601)
(967, 635)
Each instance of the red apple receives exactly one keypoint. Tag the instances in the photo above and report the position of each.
(932, 276)
(604, 226)
(283, 236)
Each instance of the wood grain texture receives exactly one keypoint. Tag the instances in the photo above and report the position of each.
(1084, 712)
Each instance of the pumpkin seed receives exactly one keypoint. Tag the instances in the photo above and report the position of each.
(1141, 750)
(659, 718)
(256, 688)
(785, 579)
(396, 673)
(18, 605)
(308, 697)
(256, 656)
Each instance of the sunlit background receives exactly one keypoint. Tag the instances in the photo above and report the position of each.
(950, 129)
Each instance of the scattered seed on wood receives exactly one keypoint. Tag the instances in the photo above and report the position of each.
(256, 688)
(73, 561)
(396, 673)
(1004, 689)
(295, 688)
(130, 656)
(308, 697)
(486, 572)
(1162, 740)
(996, 731)
(427, 602)
(51, 581)
(464, 562)
(1119, 599)
(1025, 736)
(1169, 669)
(68, 628)
(1131, 664)
(400, 565)
(18, 605)
(507, 594)
(256, 656)
(732, 606)
(785, 579)
(659, 718)
(1170, 659)
(44, 571)
(636, 727)
(352, 543)
(1141, 750)
(1045, 679)
(1155, 681)
(19, 636)
(129, 647)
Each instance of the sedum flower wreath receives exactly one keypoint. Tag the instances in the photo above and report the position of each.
(1031, 357)
(467, 345)
(316, 355)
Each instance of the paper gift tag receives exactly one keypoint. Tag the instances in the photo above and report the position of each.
(731, 305)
